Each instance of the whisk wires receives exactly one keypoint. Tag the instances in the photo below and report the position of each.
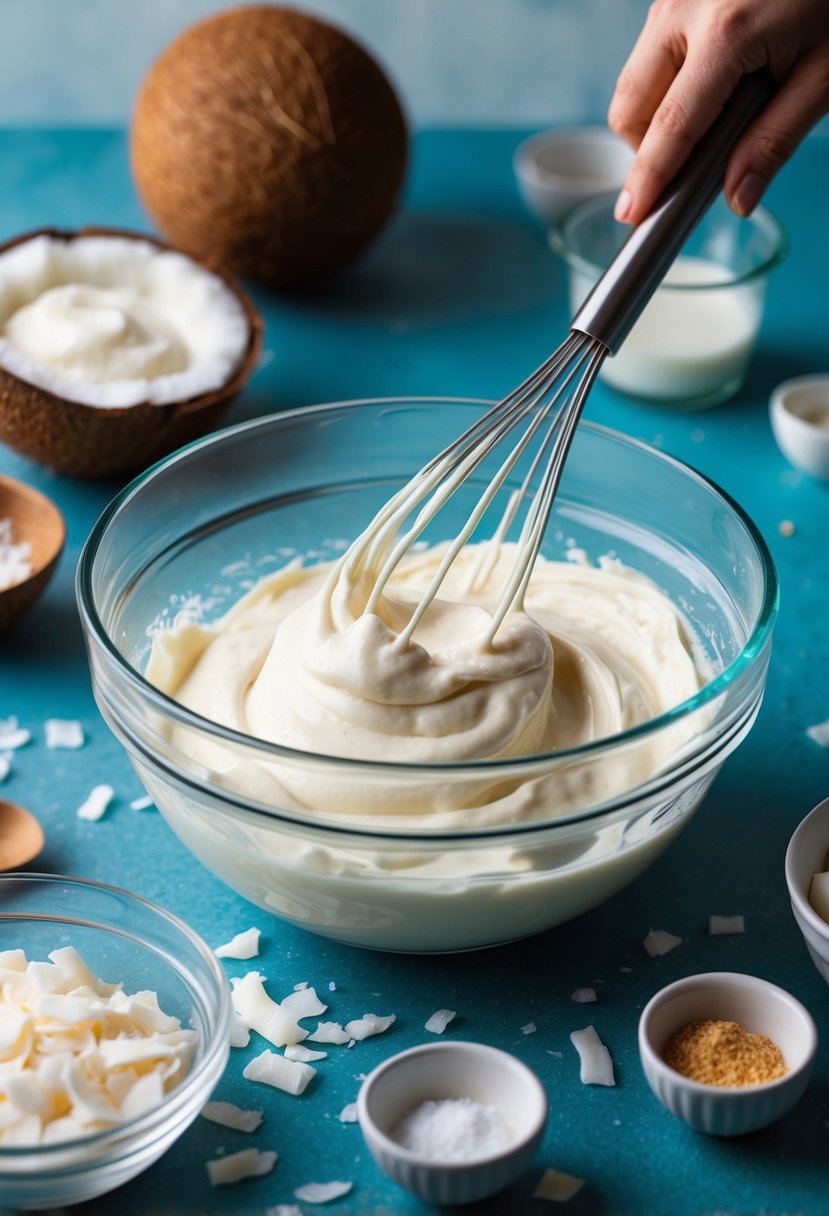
(549, 404)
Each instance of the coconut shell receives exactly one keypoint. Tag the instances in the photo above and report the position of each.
(88, 441)
(268, 142)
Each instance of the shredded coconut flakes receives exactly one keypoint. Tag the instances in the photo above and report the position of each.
(322, 1192)
(96, 803)
(439, 1020)
(659, 942)
(557, 1186)
(63, 733)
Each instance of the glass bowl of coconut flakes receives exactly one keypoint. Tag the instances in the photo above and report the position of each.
(116, 1030)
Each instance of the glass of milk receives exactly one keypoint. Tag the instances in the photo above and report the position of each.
(692, 344)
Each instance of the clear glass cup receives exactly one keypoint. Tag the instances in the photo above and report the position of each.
(692, 345)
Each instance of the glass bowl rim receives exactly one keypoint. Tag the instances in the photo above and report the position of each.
(125, 1134)
(761, 218)
(173, 710)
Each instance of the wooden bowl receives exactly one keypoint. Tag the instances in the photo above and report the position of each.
(88, 441)
(37, 520)
(21, 836)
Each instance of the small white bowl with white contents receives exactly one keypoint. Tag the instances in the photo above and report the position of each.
(559, 168)
(452, 1122)
(807, 877)
(737, 1106)
(799, 412)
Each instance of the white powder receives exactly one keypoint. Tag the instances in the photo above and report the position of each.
(453, 1129)
(15, 559)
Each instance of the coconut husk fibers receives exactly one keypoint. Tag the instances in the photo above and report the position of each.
(268, 142)
(91, 442)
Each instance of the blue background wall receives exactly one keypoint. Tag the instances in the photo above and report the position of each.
(456, 62)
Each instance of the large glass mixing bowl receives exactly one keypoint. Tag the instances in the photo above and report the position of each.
(193, 533)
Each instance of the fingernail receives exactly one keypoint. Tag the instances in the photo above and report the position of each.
(622, 208)
(748, 193)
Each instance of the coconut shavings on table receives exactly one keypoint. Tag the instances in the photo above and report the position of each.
(249, 1163)
(322, 1192)
(719, 926)
(659, 942)
(439, 1020)
(557, 1186)
(13, 735)
(228, 1115)
(596, 1064)
(244, 945)
(96, 803)
(819, 733)
(63, 733)
(583, 996)
(5, 765)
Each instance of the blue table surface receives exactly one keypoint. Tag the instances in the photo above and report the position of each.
(460, 296)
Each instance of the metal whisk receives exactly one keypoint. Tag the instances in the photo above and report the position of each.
(549, 403)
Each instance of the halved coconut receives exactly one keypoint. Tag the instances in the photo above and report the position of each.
(115, 348)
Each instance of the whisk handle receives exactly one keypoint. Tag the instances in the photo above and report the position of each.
(620, 295)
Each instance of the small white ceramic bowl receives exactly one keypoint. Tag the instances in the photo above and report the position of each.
(559, 168)
(805, 856)
(760, 1008)
(440, 1071)
(799, 411)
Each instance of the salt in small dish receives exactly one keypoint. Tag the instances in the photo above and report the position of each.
(805, 856)
(445, 1071)
(799, 412)
(559, 168)
(760, 1008)
(35, 521)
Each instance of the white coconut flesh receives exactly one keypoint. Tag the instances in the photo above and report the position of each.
(112, 321)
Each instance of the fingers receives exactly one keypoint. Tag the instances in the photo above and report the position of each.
(687, 110)
(642, 84)
(773, 137)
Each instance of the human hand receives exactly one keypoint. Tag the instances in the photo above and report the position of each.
(684, 67)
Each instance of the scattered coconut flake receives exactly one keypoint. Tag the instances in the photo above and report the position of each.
(13, 735)
(5, 765)
(284, 1209)
(348, 1114)
(243, 945)
(530, 1028)
(583, 996)
(260, 1013)
(439, 1020)
(819, 733)
(96, 803)
(322, 1192)
(303, 1054)
(303, 1003)
(329, 1032)
(366, 1026)
(228, 1115)
(596, 1064)
(287, 1075)
(786, 527)
(659, 942)
(239, 1031)
(249, 1163)
(63, 733)
(626, 970)
(141, 804)
(332, 987)
(718, 925)
(557, 1186)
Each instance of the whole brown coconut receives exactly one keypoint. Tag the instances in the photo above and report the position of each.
(268, 142)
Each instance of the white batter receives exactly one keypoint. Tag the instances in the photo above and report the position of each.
(297, 662)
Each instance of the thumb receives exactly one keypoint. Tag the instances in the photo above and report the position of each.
(773, 137)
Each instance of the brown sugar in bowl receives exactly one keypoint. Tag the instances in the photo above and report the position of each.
(95, 442)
